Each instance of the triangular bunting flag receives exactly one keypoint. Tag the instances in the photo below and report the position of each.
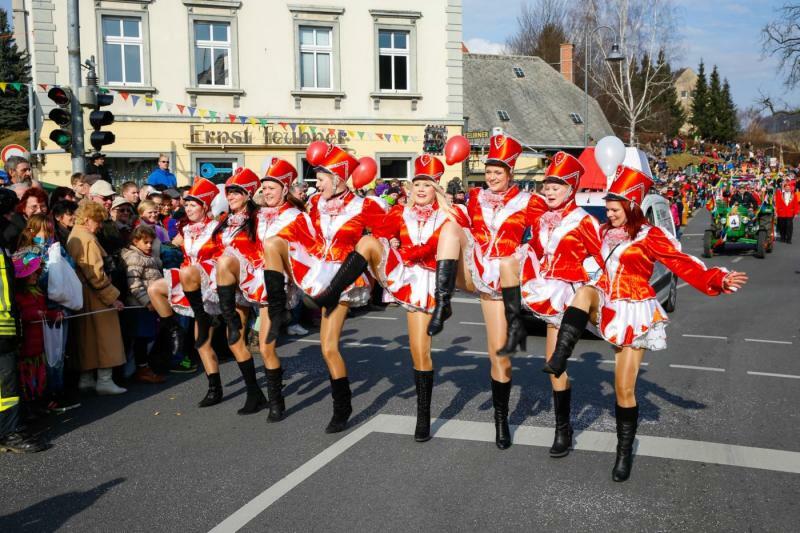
(148, 100)
(292, 126)
(405, 138)
(262, 122)
(104, 90)
(124, 95)
(253, 121)
(43, 86)
(3, 86)
(212, 115)
(351, 133)
(169, 107)
(191, 110)
(135, 99)
(282, 125)
(380, 136)
(361, 135)
(231, 118)
(331, 131)
(180, 108)
(158, 105)
(202, 112)
(388, 137)
(17, 86)
(243, 119)
(313, 130)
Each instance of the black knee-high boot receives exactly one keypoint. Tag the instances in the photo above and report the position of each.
(353, 266)
(255, 398)
(227, 305)
(214, 394)
(423, 379)
(569, 333)
(627, 423)
(172, 333)
(515, 329)
(275, 284)
(342, 409)
(445, 285)
(201, 318)
(501, 392)
(563, 439)
(277, 406)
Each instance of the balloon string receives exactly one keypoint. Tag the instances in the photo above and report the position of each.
(90, 313)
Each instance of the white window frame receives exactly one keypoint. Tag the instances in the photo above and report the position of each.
(213, 46)
(316, 49)
(395, 52)
(409, 157)
(237, 159)
(123, 41)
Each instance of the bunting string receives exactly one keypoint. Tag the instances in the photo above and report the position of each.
(158, 106)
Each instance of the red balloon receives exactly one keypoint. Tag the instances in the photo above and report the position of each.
(315, 153)
(456, 150)
(364, 173)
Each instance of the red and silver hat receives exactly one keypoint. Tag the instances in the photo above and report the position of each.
(245, 179)
(202, 191)
(503, 150)
(280, 171)
(565, 169)
(428, 167)
(629, 184)
(337, 161)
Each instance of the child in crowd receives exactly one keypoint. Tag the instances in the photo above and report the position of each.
(143, 269)
(33, 309)
(148, 215)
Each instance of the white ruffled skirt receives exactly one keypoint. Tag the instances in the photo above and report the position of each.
(312, 275)
(485, 270)
(208, 289)
(411, 286)
(548, 298)
(640, 324)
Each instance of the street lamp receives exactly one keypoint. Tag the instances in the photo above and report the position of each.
(615, 56)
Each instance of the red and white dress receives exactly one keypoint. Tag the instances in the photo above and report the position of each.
(409, 273)
(198, 250)
(630, 314)
(552, 270)
(495, 224)
(338, 223)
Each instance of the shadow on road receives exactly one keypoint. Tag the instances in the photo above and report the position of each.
(52, 513)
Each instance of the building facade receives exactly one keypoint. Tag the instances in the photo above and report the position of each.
(684, 82)
(217, 84)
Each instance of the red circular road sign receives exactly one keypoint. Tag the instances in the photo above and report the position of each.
(13, 149)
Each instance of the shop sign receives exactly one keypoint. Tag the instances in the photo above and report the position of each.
(271, 136)
(200, 135)
(477, 134)
(274, 136)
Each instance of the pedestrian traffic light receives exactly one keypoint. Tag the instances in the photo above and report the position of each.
(98, 119)
(62, 116)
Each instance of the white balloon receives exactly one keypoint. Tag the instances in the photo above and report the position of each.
(219, 204)
(609, 154)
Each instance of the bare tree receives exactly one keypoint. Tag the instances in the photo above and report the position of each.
(541, 28)
(646, 30)
(781, 38)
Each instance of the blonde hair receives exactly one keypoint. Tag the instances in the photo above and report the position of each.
(146, 205)
(90, 211)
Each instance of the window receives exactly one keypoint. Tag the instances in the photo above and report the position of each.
(503, 115)
(216, 170)
(316, 57)
(576, 118)
(122, 50)
(393, 60)
(518, 72)
(212, 53)
(395, 168)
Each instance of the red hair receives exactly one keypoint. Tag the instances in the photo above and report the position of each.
(634, 219)
(35, 192)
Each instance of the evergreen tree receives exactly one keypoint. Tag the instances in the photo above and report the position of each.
(715, 112)
(700, 103)
(666, 114)
(730, 121)
(14, 68)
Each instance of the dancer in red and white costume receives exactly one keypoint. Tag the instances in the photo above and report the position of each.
(328, 267)
(563, 237)
(187, 290)
(485, 256)
(622, 303)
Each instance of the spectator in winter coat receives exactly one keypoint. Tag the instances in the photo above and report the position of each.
(162, 176)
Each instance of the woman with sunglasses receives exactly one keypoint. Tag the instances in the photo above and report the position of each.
(563, 237)
(623, 304)
(328, 267)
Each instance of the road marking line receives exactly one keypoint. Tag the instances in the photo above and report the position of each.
(465, 300)
(770, 374)
(593, 441)
(380, 317)
(705, 337)
(768, 341)
(682, 285)
(690, 367)
(472, 352)
(473, 323)
(737, 259)
(366, 345)
(613, 362)
(691, 234)
(312, 341)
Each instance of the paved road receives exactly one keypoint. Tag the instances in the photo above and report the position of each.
(718, 447)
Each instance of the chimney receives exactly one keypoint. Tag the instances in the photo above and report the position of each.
(566, 55)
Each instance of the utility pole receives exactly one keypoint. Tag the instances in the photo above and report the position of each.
(74, 51)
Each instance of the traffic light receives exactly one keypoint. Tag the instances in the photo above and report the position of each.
(61, 115)
(98, 119)
(433, 142)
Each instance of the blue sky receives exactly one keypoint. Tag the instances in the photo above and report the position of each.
(721, 32)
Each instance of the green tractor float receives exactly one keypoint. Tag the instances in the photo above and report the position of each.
(740, 225)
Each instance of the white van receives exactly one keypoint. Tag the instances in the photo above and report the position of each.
(656, 209)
